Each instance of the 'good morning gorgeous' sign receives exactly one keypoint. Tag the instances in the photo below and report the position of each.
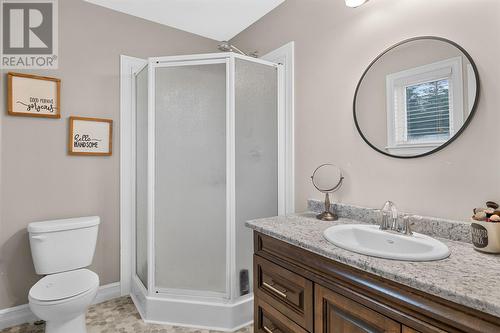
(90, 136)
(33, 96)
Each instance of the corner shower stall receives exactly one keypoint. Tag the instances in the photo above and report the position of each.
(208, 157)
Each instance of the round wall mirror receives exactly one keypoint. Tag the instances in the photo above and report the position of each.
(327, 178)
(416, 97)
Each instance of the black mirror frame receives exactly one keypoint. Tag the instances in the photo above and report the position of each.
(460, 131)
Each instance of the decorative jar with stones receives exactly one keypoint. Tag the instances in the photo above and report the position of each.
(485, 228)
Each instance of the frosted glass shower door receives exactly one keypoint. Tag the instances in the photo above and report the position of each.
(190, 179)
(256, 160)
(141, 176)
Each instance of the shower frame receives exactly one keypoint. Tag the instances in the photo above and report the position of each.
(226, 311)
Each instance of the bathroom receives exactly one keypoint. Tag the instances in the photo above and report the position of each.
(310, 58)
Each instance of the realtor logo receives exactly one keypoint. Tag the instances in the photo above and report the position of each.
(29, 34)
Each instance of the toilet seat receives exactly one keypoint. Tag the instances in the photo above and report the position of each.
(63, 286)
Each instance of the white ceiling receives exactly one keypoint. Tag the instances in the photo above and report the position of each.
(215, 19)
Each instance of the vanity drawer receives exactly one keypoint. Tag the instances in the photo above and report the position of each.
(286, 291)
(270, 320)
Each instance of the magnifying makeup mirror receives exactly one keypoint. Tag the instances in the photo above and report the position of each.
(327, 178)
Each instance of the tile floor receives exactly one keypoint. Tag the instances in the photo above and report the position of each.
(118, 315)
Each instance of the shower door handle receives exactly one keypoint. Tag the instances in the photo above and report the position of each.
(277, 291)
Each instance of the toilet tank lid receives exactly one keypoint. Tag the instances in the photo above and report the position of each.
(63, 224)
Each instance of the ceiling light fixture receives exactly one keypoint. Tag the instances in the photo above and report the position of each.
(354, 3)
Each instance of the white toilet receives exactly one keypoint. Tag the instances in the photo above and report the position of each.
(60, 250)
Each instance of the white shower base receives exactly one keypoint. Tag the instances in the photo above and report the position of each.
(199, 313)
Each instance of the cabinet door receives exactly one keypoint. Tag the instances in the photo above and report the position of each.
(335, 313)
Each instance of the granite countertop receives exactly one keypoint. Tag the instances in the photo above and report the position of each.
(467, 277)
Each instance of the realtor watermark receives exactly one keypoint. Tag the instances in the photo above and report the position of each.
(29, 36)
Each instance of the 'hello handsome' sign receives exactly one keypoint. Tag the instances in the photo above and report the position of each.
(90, 136)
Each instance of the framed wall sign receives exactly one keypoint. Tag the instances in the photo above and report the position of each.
(90, 136)
(33, 96)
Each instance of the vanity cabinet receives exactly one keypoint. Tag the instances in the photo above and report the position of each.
(303, 292)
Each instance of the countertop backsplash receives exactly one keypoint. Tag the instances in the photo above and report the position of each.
(432, 226)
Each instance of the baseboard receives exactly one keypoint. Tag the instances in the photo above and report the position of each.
(22, 314)
(16, 316)
(107, 292)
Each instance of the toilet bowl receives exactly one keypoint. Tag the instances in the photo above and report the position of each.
(61, 249)
(62, 300)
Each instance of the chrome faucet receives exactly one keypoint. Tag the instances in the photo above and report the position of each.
(389, 220)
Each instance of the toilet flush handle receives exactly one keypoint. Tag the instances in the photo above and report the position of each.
(38, 237)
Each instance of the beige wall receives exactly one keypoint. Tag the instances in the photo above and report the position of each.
(334, 44)
(38, 179)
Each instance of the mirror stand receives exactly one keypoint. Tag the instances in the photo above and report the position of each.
(327, 178)
(327, 215)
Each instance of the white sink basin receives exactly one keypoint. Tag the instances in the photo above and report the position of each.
(369, 240)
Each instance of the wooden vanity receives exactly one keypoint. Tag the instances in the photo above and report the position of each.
(300, 291)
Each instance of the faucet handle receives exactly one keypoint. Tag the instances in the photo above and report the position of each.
(387, 206)
(407, 226)
(388, 211)
(394, 211)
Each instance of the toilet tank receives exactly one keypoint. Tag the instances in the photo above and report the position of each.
(63, 245)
